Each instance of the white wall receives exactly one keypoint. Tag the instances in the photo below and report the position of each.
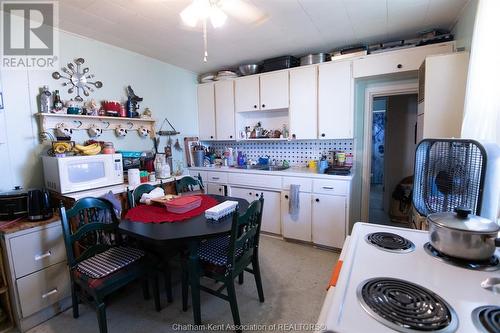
(168, 91)
(464, 27)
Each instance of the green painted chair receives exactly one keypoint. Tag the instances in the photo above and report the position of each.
(188, 184)
(92, 240)
(134, 196)
(164, 253)
(226, 257)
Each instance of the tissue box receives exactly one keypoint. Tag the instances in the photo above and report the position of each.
(223, 209)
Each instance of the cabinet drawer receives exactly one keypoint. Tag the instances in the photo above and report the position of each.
(217, 177)
(34, 251)
(305, 184)
(396, 61)
(43, 288)
(338, 187)
(257, 181)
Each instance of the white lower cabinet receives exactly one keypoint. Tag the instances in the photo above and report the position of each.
(271, 221)
(296, 226)
(218, 189)
(328, 220)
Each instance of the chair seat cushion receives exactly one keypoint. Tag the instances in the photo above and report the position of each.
(119, 278)
(109, 261)
(214, 251)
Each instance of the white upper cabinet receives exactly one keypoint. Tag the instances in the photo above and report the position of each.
(246, 94)
(335, 107)
(397, 61)
(206, 111)
(303, 103)
(274, 91)
(224, 109)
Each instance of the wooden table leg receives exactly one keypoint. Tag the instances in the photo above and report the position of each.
(194, 280)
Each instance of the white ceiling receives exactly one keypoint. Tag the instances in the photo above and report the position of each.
(296, 27)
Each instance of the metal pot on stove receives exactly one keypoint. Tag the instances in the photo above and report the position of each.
(463, 235)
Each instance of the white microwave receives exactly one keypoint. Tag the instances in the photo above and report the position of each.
(79, 173)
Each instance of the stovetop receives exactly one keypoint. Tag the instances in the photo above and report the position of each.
(455, 291)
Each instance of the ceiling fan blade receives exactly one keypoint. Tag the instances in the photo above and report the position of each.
(243, 11)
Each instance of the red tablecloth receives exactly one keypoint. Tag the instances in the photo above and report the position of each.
(157, 214)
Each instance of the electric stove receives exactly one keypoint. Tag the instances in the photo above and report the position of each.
(390, 283)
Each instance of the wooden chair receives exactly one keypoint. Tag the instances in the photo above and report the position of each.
(164, 253)
(226, 257)
(135, 195)
(188, 184)
(90, 230)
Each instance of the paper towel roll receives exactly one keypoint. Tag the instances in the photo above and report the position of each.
(134, 177)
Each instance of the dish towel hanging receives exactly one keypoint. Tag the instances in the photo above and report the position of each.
(294, 203)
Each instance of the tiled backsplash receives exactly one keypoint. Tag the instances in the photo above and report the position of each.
(296, 152)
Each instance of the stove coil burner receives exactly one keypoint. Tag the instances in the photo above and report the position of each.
(406, 307)
(489, 265)
(487, 318)
(390, 242)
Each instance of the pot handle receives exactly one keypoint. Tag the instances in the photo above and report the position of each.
(463, 212)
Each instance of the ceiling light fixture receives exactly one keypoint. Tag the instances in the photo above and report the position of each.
(200, 11)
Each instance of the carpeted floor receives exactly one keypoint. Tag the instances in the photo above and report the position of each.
(294, 279)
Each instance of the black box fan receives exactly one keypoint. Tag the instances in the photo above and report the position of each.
(449, 173)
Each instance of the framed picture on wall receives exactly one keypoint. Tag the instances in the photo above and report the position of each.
(1, 101)
(189, 143)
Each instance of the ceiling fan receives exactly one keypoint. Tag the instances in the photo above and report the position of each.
(217, 12)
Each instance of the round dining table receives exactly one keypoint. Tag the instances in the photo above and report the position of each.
(188, 232)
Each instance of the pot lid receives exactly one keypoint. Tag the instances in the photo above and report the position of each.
(463, 220)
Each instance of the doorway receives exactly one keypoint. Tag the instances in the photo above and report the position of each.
(393, 121)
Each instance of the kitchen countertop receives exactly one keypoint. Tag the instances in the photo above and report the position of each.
(290, 172)
(116, 189)
(23, 224)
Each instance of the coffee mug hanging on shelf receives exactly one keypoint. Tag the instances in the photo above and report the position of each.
(120, 131)
(143, 131)
(94, 131)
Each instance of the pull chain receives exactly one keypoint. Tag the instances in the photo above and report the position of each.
(205, 43)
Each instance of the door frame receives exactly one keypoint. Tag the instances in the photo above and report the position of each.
(371, 92)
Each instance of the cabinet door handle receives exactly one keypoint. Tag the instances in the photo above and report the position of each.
(400, 66)
(322, 135)
(263, 105)
(48, 293)
(286, 196)
(317, 200)
(256, 194)
(220, 190)
(255, 106)
(328, 187)
(294, 136)
(215, 178)
(43, 255)
(230, 136)
(249, 193)
(211, 136)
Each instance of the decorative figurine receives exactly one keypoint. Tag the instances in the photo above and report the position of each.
(92, 109)
(147, 113)
(132, 103)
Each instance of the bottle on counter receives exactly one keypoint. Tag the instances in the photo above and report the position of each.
(45, 100)
(349, 159)
(58, 105)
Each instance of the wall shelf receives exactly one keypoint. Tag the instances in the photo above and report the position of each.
(49, 121)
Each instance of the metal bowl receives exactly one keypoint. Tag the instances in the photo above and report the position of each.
(249, 69)
(311, 59)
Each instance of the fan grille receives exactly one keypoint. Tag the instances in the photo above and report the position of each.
(448, 174)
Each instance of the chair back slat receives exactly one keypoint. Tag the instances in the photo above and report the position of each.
(245, 232)
(89, 227)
